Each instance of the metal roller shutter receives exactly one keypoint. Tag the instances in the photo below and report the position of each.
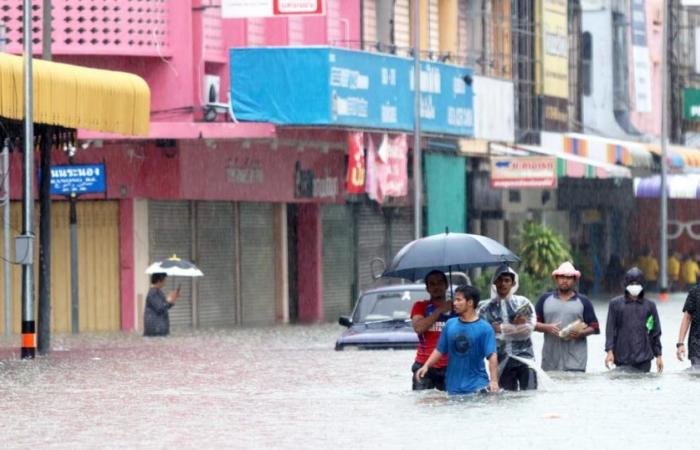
(369, 22)
(216, 293)
(433, 26)
(257, 264)
(402, 26)
(169, 233)
(337, 260)
(400, 229)
(371, 237)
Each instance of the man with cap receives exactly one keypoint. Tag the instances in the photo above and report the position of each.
(566, 318)
(513, 319)
(633, 330)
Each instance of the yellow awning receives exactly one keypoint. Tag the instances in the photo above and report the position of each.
(76, 97)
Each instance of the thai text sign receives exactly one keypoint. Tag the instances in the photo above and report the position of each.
(518, 172)
(242, 9)
(80, 179)
(330, 86)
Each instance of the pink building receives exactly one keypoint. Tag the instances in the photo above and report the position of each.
(224, 194)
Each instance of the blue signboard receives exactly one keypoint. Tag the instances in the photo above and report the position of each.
(79, 179)
(331, 86)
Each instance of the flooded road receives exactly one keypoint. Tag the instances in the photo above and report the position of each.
(286, 387)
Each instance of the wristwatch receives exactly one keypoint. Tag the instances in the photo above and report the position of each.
(679, 345)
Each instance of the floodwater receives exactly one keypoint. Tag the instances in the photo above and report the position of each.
(286, 387)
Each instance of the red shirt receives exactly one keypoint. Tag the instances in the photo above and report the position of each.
(429, 339)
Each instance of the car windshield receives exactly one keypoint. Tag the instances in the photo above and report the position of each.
(379, 306)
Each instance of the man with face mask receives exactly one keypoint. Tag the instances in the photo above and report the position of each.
(633, 330)
(513, 319)
(566, 318)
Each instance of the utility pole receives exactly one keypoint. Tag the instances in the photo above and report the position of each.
(26, 240)
(6, 264)
(44, 335)
(417, 154)
(663, 195)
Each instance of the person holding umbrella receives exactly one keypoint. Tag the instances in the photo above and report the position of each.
(156, 317)
(429, 317)
(513, 319)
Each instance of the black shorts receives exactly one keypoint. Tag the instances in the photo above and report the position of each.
(433, 379)
(517, 376)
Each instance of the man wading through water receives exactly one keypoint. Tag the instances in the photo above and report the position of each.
(429, 317)
(513, 319)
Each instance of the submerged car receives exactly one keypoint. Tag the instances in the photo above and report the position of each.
(381, 318)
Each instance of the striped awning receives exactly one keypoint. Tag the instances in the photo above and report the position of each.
(682, 158)
(576, 166)
(678, 186)
(76, 97)
(601, 149)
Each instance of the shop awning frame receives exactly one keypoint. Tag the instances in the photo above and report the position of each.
(76, 97)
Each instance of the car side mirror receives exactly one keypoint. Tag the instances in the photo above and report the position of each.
(344, 321)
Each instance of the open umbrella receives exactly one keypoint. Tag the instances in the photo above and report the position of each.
(447, 252)
(175, 266)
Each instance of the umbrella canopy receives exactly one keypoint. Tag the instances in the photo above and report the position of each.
(175, 266)
(447, 252)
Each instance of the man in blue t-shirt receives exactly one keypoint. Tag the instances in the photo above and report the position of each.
(467, 340)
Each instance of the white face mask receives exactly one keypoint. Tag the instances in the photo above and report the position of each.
(634, 289)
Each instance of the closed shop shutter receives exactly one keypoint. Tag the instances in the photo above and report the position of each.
(402, 26)
(337, 261)
(257, 263)
(369, 22)
(371, 236)
(169, 232)
(401, 229)
(216, 254)
(98, 267)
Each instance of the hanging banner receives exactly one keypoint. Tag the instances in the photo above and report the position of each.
(640, 57)
(355, 179)
(387, 174)
(555, 64)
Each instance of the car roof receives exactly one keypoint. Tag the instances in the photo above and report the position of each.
(396, 288)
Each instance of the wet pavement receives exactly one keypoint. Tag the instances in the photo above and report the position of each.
(286, 387)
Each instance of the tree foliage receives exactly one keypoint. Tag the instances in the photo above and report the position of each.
(541, 250)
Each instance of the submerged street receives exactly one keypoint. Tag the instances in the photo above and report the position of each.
(286, 387)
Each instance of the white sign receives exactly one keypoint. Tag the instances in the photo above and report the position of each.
(690, 2)
(245, 9)
(494, 119)
(642, 79)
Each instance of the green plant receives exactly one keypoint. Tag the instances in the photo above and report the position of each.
(541, 250)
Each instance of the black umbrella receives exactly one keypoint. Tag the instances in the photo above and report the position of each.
(175, 266)
(447, 252)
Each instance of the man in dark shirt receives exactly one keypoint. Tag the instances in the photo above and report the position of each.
(691, 318)
(633, 331)
(156, 320)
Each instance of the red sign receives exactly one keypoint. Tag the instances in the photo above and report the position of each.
(355, 180)
(294, 7)
(387, 173)
(246, 9)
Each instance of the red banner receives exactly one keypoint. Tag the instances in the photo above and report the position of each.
(355, 180)
(387, 173)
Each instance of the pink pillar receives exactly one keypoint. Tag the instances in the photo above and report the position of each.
(310, 263)
(126, 264)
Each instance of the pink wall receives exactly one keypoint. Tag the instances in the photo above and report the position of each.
(310, 263)
(650, 123)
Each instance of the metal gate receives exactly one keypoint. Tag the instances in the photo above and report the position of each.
(337, 260)
(257, 259)
(400, 229)
(216, 255)
(371, 241)
(170, 233)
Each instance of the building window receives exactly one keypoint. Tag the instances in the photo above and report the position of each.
(586, 63)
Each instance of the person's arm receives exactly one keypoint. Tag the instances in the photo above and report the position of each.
(421, 324)
(523, 326)
(680, 347)
(157, 302)
(589, 318)
(541, 325)
(493, 372)
(432, 359)
(610, 335)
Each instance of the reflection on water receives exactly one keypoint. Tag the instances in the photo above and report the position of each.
(285, 387)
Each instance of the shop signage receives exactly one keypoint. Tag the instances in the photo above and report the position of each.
(555, 64)
(518, 172)
(640, 58)
(691, 104)
(78, 179)
(331, 86)
(243, 9)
